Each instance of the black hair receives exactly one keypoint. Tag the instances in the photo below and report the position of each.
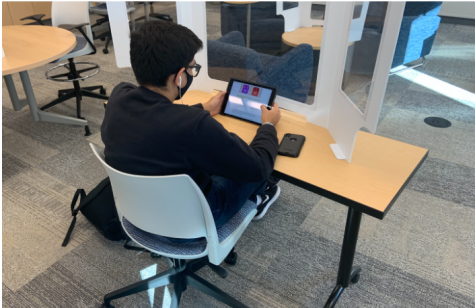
(159, 49)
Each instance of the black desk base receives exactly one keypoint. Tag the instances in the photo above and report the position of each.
(347, 272)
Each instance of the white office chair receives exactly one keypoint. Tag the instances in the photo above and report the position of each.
(69, 16)
(153, 209)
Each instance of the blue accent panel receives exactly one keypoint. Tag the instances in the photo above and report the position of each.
(416, 37)
(188, 247)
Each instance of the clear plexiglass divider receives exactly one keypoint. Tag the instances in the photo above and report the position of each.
(314, 91)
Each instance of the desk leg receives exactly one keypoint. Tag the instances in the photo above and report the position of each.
(346, 271)
(17, 103)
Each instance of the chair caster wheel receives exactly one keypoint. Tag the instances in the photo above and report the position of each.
(102, 91)
(103, 39)
(231, 259)
(356, 278)
(107, 306)
(105, 51)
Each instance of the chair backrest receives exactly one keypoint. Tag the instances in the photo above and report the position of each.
(171, 206)
(71, 13)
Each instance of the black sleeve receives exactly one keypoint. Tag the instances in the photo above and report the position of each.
(216, 151)
(199, 105)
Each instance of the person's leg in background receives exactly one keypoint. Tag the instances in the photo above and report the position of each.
(227, 197)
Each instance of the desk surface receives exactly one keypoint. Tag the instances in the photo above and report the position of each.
(27, 47)
(379, 170)
(310, 35)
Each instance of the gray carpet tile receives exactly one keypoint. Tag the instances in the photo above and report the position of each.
(11, 166)
(307, 276)
(426, 236)
(11, 299)
(76, 166)
(418, 256)
(56, 136)
(26, 149)
(436, 105)
(75, 281)
(455, 144)
(453, 58)
(446, 180)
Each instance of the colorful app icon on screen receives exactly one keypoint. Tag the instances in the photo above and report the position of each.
(255, 91)
(245, 89)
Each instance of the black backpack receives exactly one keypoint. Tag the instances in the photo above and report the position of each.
(99, 208)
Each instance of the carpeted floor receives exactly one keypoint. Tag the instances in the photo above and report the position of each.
(421, 255)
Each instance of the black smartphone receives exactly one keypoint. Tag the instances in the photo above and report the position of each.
(291, 145)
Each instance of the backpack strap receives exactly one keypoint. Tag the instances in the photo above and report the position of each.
(74, 212)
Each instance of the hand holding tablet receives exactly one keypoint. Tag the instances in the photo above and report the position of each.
(243, 100)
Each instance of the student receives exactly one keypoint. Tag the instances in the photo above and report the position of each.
(145, 133)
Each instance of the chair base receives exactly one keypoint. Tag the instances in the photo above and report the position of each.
(181, 275)
(78, 93)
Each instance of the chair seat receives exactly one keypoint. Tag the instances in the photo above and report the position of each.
(189, 248)
(101, 9)
(81, 43)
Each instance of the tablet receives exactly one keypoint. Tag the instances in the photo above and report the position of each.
(243, 100)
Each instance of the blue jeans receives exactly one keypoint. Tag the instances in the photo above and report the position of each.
(227, 197)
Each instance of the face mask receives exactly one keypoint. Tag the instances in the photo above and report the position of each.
(183, 90)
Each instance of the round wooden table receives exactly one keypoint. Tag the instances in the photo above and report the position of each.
(28, 47)
(310, 35)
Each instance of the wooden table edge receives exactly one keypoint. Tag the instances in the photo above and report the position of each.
(40, 63)
(334, 196)
(346, 201)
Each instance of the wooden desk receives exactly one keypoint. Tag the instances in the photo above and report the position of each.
(311, 35)
(28, 47)
(379, 171)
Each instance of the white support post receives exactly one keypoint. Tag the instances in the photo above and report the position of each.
(119, 24)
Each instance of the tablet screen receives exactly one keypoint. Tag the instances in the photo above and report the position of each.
(245, 101)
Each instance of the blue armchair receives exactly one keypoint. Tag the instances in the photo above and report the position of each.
(290, 74)
(266, 27)
(418, 29)
(416, 36)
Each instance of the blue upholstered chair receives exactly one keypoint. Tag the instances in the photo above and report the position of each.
(290, 74)
(418, 29)
(158, 213)
(266, 27)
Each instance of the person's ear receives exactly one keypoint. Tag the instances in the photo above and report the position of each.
(178, 76)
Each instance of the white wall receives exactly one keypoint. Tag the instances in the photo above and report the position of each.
(458, 9)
